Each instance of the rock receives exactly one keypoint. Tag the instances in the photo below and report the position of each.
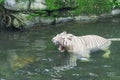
(63, 19)
(46, 20)
(16, 23)
(115, 12)
(24, 20)
(38, 5)
(25, 5)
(27, 20)
(16, 6)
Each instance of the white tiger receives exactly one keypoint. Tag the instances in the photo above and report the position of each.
(82, 45)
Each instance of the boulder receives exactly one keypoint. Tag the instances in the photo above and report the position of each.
(21, 5)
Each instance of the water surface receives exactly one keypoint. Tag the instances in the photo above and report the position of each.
(32, 56)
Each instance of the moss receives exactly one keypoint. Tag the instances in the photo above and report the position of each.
(57, 4)
(37, 13)
(92, 7)
(31, 16)
(1, 1)
(53, 4)
(80, 6)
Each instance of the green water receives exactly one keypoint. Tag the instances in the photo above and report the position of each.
(32, 56)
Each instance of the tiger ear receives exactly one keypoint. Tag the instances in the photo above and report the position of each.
(65, 32)
(70, 37)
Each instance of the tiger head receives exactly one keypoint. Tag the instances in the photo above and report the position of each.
(63, 41)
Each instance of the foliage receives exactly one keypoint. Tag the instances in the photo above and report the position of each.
(53, 4)
(35, 14)
(81, 6)
(116, 3)
(57, 4)
(92, 7)
(1, 1)
(32, 15)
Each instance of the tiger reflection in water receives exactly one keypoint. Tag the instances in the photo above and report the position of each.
(82, 45)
